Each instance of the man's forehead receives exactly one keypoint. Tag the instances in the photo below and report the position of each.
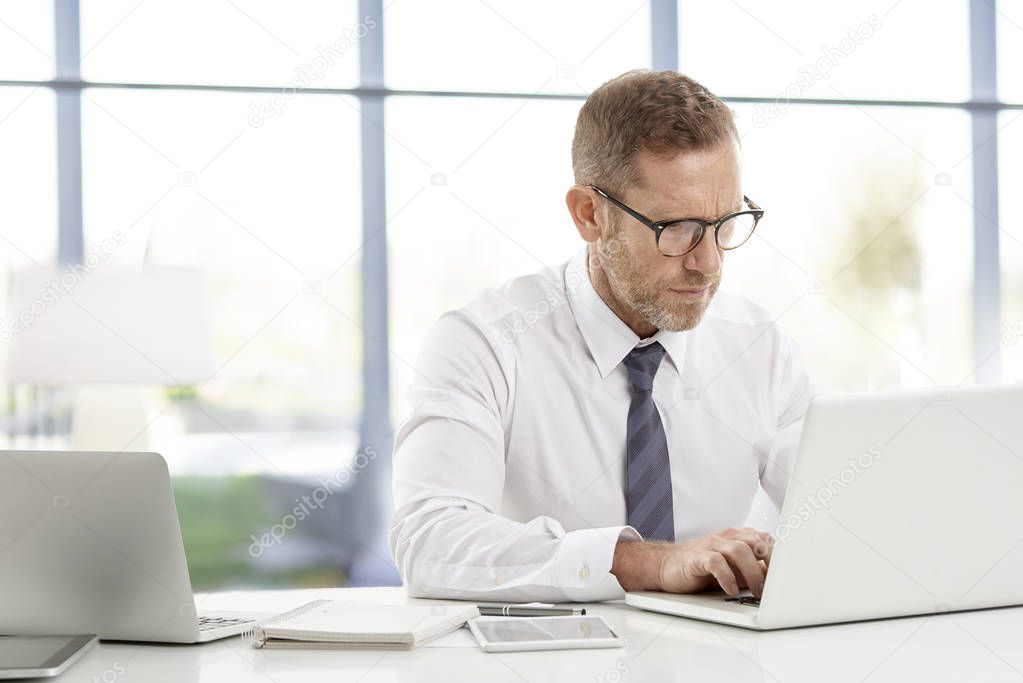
(690, 162)
(711, 196)
(704, 178)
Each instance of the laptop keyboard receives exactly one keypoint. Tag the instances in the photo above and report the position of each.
(207, 623)
(745, 600)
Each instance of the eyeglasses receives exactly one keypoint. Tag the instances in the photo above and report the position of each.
(679, 237)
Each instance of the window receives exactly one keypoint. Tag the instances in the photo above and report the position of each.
(479, 182)
(1010, 237)
(267, 210)
(310, 43)
(28, 205)
(26, 40)
(239, 138)
(1009, 18)
(865, 249)
(519, 47)
(873, 49)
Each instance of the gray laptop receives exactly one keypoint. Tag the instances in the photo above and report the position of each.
(90, 543)
(901, 503)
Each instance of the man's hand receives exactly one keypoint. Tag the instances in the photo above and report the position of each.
(732, 559)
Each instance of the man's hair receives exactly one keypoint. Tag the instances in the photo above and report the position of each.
(662, 112)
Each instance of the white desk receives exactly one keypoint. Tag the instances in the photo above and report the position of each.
(971, 646)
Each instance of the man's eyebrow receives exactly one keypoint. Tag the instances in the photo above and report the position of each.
(674, 215)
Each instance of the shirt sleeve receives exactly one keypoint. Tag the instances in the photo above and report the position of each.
(794, 391)
(448, 537)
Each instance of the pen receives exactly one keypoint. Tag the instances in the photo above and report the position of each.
(521, 611)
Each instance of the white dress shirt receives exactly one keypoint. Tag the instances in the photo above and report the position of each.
(509, 477)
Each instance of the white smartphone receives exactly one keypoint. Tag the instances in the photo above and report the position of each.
(508, 634)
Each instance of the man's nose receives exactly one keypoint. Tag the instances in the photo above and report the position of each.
(706, 258)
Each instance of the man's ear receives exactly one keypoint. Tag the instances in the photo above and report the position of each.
(581, 206)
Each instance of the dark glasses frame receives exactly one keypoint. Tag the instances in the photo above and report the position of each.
(660, 226)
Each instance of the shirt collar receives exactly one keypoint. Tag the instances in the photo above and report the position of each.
(608, 338)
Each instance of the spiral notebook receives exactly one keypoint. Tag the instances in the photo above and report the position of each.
(335, 625)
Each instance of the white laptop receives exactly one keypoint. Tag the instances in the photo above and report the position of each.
(90, 543)
(900, 503)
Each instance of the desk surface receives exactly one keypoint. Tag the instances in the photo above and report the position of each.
(985, 645)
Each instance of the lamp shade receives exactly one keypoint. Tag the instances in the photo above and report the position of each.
(148, 326)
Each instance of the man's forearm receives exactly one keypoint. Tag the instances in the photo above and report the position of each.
(637, 564)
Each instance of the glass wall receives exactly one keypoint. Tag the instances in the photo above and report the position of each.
(231, 137)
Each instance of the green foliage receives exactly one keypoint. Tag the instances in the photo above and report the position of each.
(878, 250)
(181, 393)
(874, 248)
(218, 516)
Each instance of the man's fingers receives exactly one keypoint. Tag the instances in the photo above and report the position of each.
(714, 564)
(734, 558)
(761, 542)
(763, 546)
(740, 556)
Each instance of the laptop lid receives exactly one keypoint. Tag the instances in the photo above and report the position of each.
(91, 544)
(901, 503)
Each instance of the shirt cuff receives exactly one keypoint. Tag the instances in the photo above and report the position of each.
(584, 561)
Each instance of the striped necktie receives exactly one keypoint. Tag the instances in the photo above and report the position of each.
(648, 472)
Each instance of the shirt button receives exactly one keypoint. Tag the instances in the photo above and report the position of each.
(498, 580)
(584, 572)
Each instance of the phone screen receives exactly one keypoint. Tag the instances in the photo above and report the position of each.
(523, 629)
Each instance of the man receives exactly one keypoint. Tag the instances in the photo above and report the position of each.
(603, 426)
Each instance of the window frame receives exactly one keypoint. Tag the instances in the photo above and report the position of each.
(372, 92)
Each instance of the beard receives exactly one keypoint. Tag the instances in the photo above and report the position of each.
(652, 300)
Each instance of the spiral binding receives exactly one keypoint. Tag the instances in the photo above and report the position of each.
(255, 636)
